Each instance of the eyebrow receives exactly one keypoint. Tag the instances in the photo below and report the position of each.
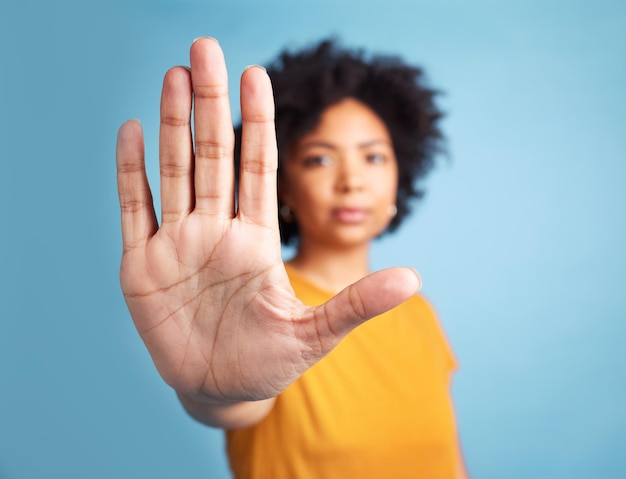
(331, 146)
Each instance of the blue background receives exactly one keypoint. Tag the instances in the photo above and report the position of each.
(520, 240)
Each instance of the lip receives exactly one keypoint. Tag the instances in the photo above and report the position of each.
(350, 215)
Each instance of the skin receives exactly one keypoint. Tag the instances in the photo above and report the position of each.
(206, 288)
(340, 181)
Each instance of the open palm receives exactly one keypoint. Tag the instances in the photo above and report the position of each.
(207, 289)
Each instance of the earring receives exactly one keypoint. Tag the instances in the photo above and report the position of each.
(285, 213)
(392, 211)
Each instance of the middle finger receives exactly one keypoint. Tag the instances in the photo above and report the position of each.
(214, 137)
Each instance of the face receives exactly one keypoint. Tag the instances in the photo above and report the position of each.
(340, 180)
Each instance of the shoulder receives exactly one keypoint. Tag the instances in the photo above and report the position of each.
(418, 314)
(419, 303)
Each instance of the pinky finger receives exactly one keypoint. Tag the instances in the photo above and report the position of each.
(138, 218)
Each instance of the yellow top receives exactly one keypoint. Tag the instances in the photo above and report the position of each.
(377, 406)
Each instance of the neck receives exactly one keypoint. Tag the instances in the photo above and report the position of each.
(331, 269)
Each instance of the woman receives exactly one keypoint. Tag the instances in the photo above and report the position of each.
(238, 334)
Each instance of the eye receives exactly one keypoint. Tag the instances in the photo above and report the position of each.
(316, 160)
(376, 158)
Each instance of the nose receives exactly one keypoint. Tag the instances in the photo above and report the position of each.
(350, 176)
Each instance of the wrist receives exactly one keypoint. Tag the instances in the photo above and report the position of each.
(226, 414)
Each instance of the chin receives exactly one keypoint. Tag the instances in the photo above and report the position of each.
(351, 240)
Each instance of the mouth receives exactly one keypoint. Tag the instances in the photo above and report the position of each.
(350, 215)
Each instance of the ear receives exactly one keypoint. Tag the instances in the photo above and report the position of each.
(284, 195)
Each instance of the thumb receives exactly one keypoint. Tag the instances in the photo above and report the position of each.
(368, 297)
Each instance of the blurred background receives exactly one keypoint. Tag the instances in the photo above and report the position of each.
(520, 240)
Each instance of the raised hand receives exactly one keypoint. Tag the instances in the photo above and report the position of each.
(207, 289)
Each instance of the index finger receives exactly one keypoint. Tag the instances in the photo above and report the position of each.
(259, 155)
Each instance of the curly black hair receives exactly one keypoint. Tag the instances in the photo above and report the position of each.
(309, 81)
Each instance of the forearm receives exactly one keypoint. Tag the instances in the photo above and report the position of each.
(227, 416)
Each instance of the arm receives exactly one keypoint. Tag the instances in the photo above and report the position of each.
(237, 415)
(207, 289)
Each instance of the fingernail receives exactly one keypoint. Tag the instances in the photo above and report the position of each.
(199, 38)
(255, 66)
(419, 278)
